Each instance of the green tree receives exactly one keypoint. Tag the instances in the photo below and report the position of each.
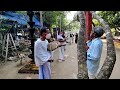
(22, 12)
(112, 18)
(96, 22)
(52, 18)
(73, 26)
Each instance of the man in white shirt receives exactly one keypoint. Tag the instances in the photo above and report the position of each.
(42, 55)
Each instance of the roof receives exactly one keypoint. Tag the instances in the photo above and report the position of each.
(20, 18)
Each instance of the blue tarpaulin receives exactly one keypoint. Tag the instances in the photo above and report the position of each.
(16, 19)
(21, 19)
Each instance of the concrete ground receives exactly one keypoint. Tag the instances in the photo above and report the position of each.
(116, 71)
(60, 70)
(67, 69)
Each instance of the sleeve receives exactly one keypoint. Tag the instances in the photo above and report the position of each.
(89, 43)
(59, 37)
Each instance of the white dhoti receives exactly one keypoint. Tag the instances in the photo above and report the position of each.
(91, 76)
(72, 39)
(92, 67)
(45, 71)
(61, 52)
(62, 48)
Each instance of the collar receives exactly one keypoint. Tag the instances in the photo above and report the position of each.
(95, 39)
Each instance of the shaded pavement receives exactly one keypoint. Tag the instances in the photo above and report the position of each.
(67, 69)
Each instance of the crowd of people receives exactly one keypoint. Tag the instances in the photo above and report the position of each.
(44, 56)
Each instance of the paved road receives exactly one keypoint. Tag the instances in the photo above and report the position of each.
(116, 71)
(60, 70)
(68, 68)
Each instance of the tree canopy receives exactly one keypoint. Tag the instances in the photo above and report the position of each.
(53, 18)
(111, 17)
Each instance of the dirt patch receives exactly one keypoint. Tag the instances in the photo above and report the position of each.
(29, 68)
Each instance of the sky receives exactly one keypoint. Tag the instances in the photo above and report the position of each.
(71, 15)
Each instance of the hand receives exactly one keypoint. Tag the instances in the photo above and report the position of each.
(87, 47)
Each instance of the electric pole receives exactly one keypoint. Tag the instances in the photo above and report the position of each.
(41, 19)
(60, 23)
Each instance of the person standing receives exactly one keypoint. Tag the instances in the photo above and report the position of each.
(13, 30)
(62, 43)
(42, 55)
(64, 37)
(72, 38)
(50, 39)
(76, 38)
(94, 53)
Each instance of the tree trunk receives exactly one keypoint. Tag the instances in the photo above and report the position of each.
(108, 65)
(81, 48)
(41, 19)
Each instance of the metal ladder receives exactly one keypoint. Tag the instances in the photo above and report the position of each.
(5, 45)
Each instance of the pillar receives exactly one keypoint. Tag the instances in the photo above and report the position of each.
(88, 24)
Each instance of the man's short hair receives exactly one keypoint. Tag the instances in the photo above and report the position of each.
(98, 31)
(43, 30)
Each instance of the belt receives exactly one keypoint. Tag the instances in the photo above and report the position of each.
(50, 61)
